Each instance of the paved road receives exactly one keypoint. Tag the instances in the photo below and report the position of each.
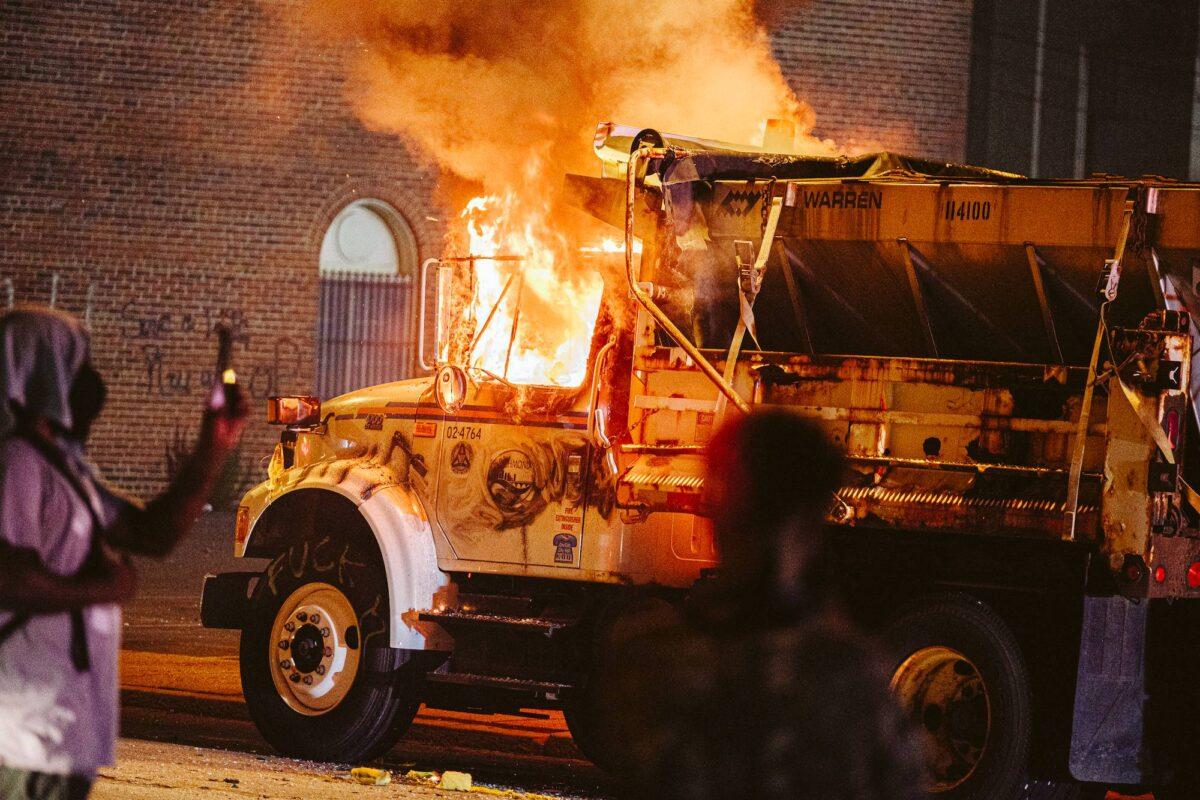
(165, 617)
(186, 732)
(184, 726)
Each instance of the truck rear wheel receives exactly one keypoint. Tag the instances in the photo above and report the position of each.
(305, 658)
(959, 675)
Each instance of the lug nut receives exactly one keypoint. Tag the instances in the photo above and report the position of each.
(328, 652)
(308, 680)
(302, 616)
(289, 626)
(315, 619)
(294, 677)
(286, 664)
(284, 644)
(324, 633)
(320, 669)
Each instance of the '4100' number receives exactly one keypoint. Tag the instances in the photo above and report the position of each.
(968, 210)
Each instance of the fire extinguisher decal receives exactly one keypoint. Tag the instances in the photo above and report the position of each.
(564, 548)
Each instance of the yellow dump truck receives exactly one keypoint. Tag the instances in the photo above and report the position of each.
(1006, 363)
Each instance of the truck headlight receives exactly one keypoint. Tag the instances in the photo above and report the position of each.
(294, 411)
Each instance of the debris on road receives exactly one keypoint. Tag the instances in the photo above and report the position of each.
(515, 794)
(186, 711)
(455, 781)
(370, 776)
(421, 776)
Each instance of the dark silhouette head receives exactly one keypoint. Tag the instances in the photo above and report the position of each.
(87, 397)
(770, 480)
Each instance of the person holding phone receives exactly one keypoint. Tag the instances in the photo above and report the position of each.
(65, 541)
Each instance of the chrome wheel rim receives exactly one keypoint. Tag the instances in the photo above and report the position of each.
(944, 694)
(311, 663)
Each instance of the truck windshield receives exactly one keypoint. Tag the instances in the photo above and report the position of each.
(524, 320)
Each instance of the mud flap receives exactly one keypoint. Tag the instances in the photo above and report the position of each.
(1108, 729)
(384, 665)
(225, 599)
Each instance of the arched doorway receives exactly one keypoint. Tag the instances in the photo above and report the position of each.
(366, 332)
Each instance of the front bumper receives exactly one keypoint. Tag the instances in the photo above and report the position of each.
(225, 599)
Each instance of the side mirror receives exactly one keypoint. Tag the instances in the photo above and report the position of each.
(441, 316)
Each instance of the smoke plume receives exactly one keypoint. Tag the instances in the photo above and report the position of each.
(500, 92)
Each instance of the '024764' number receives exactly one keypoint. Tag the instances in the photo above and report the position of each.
(468, 432)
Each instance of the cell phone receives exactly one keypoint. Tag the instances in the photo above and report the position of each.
(225, 373)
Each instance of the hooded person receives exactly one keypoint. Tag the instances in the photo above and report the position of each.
(64, 571)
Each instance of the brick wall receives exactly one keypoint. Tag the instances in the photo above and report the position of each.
(883, 73)
(178, 164)
(168, 159)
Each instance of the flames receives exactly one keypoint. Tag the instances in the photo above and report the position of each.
(505, 97)
(610, 245)
(531, 303)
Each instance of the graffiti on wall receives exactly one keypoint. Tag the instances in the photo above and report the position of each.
(155, 334)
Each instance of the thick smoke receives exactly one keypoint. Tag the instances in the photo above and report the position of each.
(504, 93)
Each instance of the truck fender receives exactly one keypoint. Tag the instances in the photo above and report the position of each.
(415, 583)
(402, 533)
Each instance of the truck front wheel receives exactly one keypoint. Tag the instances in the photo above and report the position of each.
(959, 675)
(315, 613)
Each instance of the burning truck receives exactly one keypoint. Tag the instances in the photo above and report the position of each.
(1006, 363)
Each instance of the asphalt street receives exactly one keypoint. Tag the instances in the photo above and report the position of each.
(186, 732)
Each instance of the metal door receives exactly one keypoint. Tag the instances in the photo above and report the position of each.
(510, 485)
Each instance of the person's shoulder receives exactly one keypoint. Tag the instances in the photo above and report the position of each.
(26, 480)
(833, 632)
(26, 473)
(20, 460)
(14, 446)
(832, 646)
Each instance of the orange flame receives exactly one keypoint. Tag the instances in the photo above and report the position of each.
(507, 95)
(532, 311)
(610, 245)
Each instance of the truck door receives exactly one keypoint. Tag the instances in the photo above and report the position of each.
(510, 486)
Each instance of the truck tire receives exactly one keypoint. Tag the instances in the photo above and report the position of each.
(959, 674)
(588, 710)
(580, 713)
(309, 673)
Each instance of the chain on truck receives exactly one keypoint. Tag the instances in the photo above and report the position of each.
(1005, 361)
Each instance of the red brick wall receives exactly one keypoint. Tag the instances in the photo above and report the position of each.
(883, 73)
(166, 156)
(172, 158)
